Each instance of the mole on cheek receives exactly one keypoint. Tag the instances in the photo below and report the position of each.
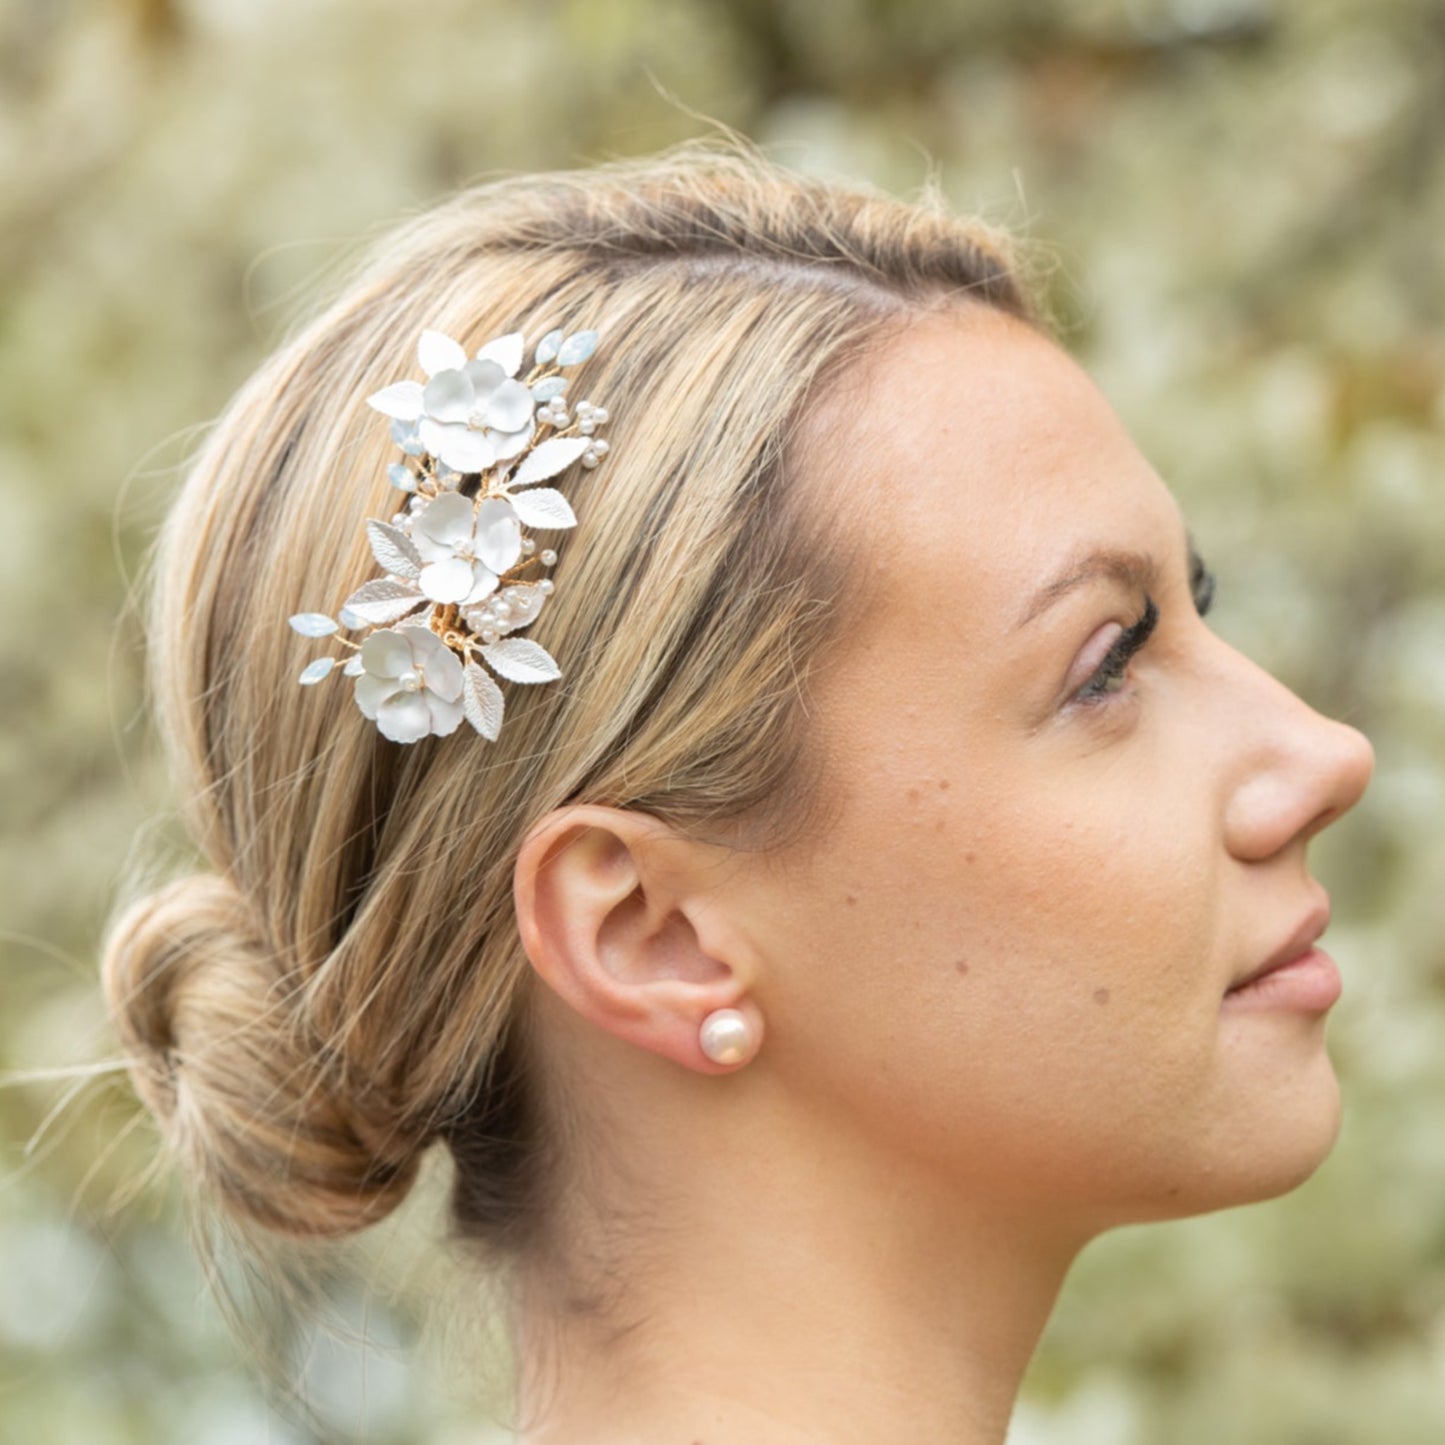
(850, 899)
(962, 965)
(1101, 995)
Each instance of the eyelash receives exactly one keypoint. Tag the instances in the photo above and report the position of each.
(1201, 584)
(1110, 672)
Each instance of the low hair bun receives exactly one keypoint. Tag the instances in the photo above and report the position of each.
(220, 1054)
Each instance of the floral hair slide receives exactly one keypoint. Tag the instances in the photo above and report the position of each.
(477, 441)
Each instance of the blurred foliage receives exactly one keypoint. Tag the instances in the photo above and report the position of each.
(1243, 203)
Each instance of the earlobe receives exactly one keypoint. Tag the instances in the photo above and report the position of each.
(617, 918)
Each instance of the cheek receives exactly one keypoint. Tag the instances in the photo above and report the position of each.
(1045, 900)
(1008, 981)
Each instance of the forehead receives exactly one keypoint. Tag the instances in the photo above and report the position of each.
(981, 459)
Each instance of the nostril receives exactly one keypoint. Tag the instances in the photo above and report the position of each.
(1322, 820)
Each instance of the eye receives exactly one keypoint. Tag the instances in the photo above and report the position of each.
(1201, 584)
(1110, 674)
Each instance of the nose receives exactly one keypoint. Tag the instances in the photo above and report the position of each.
(1296, 770)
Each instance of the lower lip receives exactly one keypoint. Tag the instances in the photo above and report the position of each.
(1310, 984)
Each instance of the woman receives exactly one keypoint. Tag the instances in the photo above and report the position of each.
(870, 915)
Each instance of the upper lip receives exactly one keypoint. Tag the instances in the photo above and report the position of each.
(1299, 942)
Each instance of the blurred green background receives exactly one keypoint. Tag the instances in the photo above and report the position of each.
(1242, 203)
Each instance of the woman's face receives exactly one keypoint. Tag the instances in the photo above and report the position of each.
(1006, 957)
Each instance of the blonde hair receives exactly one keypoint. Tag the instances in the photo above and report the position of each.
(343, 986)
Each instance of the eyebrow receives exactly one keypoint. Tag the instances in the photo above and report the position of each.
(1138, 571)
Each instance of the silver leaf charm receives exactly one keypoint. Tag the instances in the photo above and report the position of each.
(544, 508)
(383, 600)
(520, 660)
(401, 477)
(481, 701)
(402, 400)
(393, 549)
(548, 347)
(315, 671)
(403, 433)
(354, 666)
(547, 459)
(577, 347)
(553, 386)
(313, 624)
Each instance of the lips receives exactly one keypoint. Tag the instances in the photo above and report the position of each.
(1299, 942)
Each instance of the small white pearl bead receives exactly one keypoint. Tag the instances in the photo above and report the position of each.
(726, 1036)
(549, 557)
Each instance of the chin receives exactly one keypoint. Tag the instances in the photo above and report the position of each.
(1303, 1139)
(1266, 1146)
(1269, 1152)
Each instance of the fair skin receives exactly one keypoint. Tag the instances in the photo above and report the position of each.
(988, 998)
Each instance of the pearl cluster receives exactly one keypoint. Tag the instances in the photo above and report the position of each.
(589, 418)
(510, 608)
(415, 506)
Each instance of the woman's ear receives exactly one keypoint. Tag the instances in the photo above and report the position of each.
(621, 916)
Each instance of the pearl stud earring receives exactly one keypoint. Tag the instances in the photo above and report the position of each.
(726, 1036)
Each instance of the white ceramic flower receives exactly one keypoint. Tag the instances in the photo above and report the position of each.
(465, 550)
(411, 684)
(470, 414)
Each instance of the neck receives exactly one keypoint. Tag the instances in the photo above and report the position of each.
(778, 1290)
